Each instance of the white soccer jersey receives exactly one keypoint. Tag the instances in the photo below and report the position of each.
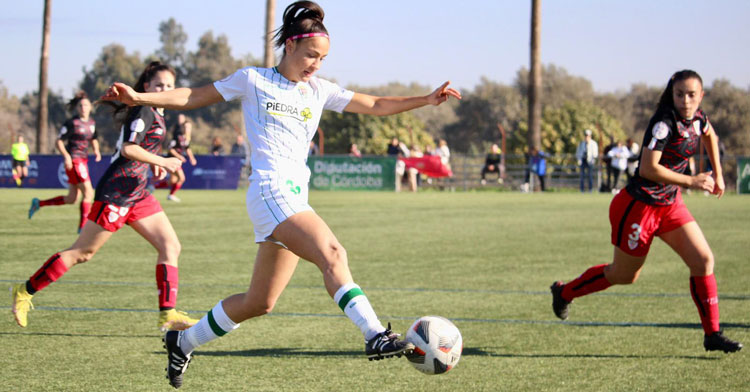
(281, 117)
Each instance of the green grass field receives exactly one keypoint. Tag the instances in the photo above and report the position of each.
(484, 260)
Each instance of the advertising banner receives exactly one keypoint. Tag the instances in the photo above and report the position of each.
(743, 177)
(48, 171)
(350, 173)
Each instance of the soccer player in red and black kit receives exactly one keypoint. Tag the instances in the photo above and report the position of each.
(179, 147)
(73, 143)
(652, 205)
(121, 198)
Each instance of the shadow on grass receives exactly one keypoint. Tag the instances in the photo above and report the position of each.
(469, 351)
(79, 335)
(651, 325)
(279, 352)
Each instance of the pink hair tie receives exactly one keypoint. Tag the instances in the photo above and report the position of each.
(308, 35)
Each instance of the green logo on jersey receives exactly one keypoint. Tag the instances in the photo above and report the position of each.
(294, 189)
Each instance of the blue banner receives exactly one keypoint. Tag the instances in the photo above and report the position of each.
(48, 171)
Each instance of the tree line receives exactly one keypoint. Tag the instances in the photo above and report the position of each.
(570, 104)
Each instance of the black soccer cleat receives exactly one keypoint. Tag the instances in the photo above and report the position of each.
(387, 344)
(177, 361)
(559, 304)
(718, 342)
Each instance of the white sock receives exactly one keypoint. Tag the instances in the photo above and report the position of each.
(354, 303)
(214, 324)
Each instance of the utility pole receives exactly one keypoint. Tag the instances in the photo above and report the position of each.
(268, 56)
(535, 77)
(42, 113)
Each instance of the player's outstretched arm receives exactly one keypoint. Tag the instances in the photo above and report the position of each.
(711, 141)
(137, 153)
(184, 98)
(383, 106)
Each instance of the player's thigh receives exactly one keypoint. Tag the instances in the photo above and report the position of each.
(158, 231)
(309, 237)
(690, 243)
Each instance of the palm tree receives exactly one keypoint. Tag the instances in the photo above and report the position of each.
(535, 77)
(268, 57)
(42, 110)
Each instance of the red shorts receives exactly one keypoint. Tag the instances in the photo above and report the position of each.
(635, 223)
(79, 173)
(111, 217)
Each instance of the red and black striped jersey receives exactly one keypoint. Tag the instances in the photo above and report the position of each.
(124, 182)
(678, 140)
(179, 140)
(77, 134)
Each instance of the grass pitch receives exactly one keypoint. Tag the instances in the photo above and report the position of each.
(484, 260)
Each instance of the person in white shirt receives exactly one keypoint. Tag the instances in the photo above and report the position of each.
(586, 154)
(619, 155)
(635, 150)
(282, 107)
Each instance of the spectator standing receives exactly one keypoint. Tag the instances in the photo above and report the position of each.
(444, 153)
(217, 148)
(586, 154)
(635, 151)
(354, 151)
(537, 164)
(618, 156)
(313, 149)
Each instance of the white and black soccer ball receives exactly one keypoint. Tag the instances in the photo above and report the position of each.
(437, 344)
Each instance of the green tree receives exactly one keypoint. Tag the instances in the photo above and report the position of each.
(371, 133)
(558, 86)
(562, 128)
(114, 64)
(210, 62)
(480, 111)
(435, 118)
(172, 51)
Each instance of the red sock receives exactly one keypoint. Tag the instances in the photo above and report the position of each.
(51, 271)
(167, 280)
(703, 290)
(15, 175)
(176, 187)
(85, 208)
(55, 201)
(591, 281)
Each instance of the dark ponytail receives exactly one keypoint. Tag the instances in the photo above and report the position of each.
(666, 102)
(300, 17)
(151, 70)
(80, 96)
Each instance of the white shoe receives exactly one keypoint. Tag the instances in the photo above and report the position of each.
(173, 198)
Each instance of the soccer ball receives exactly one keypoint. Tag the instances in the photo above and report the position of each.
(437, 344)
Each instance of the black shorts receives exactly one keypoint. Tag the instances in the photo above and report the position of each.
(19, 163)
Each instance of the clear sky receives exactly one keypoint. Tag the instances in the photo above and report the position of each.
(613, 43)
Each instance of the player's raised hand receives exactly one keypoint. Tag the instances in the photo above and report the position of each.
(120, 92)
(442, 93)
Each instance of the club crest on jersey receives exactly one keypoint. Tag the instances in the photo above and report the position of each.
(660, 130)
(303, 91)
(285, 110)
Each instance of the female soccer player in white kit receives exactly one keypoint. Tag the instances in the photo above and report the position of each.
(282, 108)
